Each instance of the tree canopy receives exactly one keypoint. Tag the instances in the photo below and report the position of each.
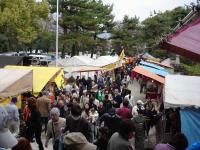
(81, 21)
(20, 21)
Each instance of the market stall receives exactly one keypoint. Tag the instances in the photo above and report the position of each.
(13, 83)
(184, 92)
(42, 76)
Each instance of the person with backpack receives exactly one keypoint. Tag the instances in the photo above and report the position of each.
(13, 116)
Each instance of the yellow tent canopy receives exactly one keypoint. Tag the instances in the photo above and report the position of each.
(42, 75)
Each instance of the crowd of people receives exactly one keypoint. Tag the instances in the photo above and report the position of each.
(78, 117)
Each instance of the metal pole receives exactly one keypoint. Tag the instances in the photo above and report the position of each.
(57, 13)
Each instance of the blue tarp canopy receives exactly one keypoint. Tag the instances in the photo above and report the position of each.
(143, 63)
(190, 126)
(155, 71)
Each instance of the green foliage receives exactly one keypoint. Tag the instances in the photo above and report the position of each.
(20, 20)
(161, 24)
(81, 21)
(193, 69)
(127, 35)
(44, 41)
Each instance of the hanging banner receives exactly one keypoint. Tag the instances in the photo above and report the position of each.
(109, 67)
(119, 62)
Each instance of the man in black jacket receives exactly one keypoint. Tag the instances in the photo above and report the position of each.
(75, 123)
(111, 121)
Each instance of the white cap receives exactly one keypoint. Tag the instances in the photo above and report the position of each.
(7, 140)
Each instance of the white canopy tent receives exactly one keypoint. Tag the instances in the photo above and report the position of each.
(104, 60)
(74, 61)
(14, 82)
(60, 63)
(181, 91)
(78, 61)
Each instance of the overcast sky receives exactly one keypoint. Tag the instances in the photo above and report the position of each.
(142, 8)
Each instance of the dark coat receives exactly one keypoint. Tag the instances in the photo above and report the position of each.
(80, 125)
(111, 121)
(34, 121)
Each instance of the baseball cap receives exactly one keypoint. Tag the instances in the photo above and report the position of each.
(7, 140)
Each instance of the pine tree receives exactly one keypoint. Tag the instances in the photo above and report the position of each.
(81, 21)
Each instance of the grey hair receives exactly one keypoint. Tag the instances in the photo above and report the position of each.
(55, 110)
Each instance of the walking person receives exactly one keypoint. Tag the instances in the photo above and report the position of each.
(7, 140)
(125, 112)
(120, 139)
(139, 122)
(34, 123)
(43, 105)
(54, 127)
(13, 116)
(76, 123)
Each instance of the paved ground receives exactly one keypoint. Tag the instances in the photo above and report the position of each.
(35, 146)
(135, 88)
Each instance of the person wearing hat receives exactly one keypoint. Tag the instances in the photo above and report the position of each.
(77, 141)
(13, 116)
(34, 123)
(7, 140)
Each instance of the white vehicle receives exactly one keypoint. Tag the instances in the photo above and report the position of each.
(42, 60)
(40, 57)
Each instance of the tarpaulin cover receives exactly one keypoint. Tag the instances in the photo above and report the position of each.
(148, 74)
(181, 90)
(163, 63)
(190, 126)
(41, 75)
(156, 71)
(185, 41)
(105, 60)
(151, 65)
(14, 82)
(78, 61)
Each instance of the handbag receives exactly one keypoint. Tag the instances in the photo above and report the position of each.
(59, 143)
